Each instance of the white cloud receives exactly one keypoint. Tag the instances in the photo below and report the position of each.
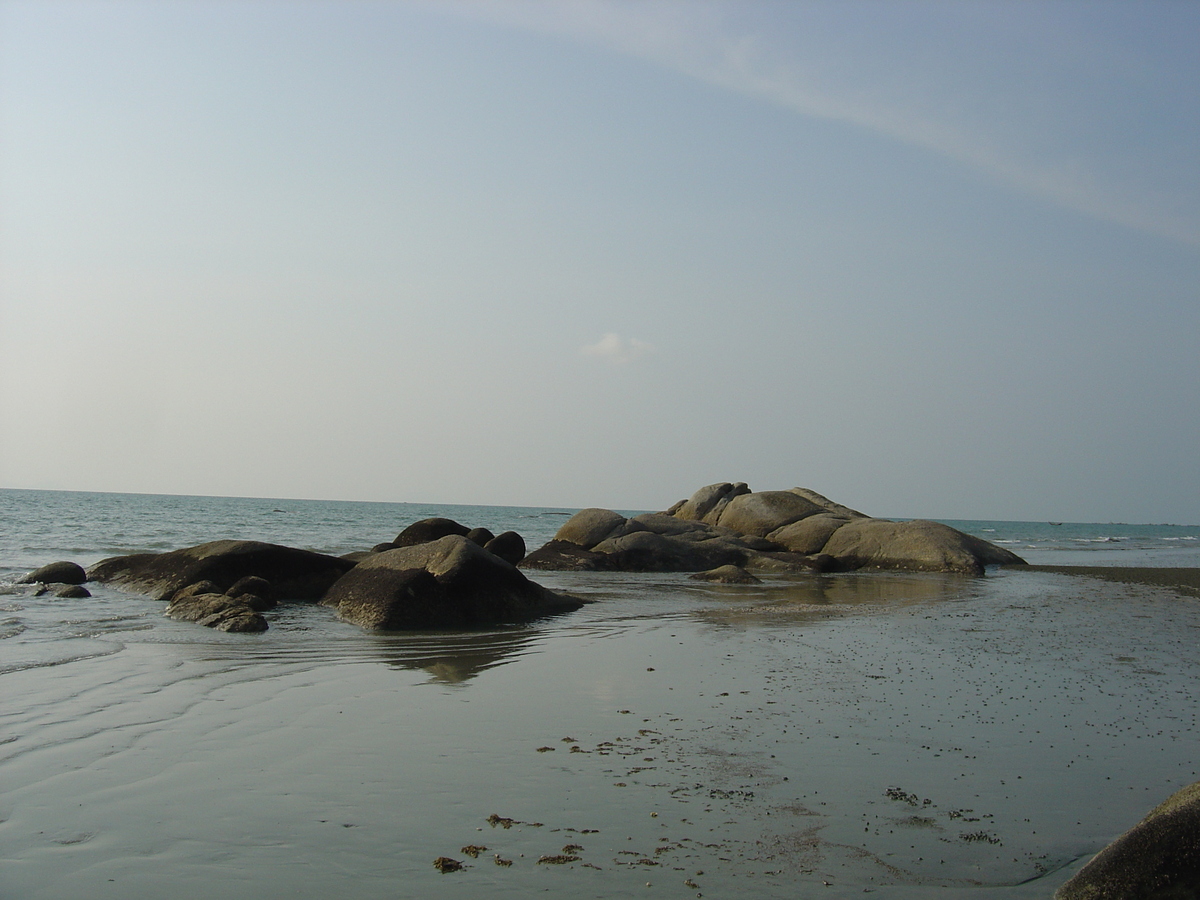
(617, 350)
(905, 104)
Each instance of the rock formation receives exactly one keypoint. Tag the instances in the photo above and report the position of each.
(1157, 858)
(293, 574)
(436, 574)
(728, 524)
(450, 582)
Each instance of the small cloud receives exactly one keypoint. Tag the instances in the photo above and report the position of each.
(616, 350)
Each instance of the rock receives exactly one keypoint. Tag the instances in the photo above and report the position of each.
(427, 530)
(763, 512)
(701, 503)
(797, 530)
(380, 548)
(1157, 859)
(251, 584)
(828, 505)
(508, 545)
(293, 574)
(199, 587)
(589, 527)
(72, 592)
(727, 575)
(566, 556)
(448, 583)
(810, 534)
(219, 611)
(645, 551)
(917, 545)
(56, 573)
(786, 561)
(481, 536)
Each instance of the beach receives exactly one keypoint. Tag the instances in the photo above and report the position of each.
(905, 734)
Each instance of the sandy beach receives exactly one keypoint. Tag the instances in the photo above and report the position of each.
(911, 735)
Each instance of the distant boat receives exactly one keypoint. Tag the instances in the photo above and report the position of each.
(1056, 523)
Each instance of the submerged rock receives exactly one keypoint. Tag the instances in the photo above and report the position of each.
(293, 574)
(727, 575)
(56, 573)
(1157, 859)
(448, 583)
(219, 611)
(72, 592)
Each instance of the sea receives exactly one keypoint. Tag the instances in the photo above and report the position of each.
(902, 734)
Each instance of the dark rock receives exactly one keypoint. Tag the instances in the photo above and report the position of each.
(251, 584)
(293, 574)
(467, 586)
(219, 611)
(256, 603)
(481, 536)
(508, 545)
(566, 556)
(427, 530)
(56, 573)
(199, 587)
(1157, 859)
(727, 575)
(72, 592)
(354, 557)
(385, 546)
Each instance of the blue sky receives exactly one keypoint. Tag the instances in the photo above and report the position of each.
(930, 259)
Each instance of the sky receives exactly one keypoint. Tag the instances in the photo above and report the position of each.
(930, 259)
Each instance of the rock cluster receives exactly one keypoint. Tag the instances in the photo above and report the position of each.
(794, 530)
(435, 574)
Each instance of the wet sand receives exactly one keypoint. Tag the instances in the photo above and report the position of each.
(906, 735)
(1185, 581)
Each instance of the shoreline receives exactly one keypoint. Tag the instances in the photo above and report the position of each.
(1183, 580)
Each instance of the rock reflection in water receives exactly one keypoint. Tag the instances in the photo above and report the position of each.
(452, 658)
(788, 600)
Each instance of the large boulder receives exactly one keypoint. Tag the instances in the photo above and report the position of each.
(918, 545)
(426, 530)
(708, 498)
(56, 573)
(589, 527)
(508, 545)
(448, 583)
(293, 574)
(810, 534)
(1157, 859)
(763, 512)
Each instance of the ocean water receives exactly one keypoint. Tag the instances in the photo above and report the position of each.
(900, 734)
